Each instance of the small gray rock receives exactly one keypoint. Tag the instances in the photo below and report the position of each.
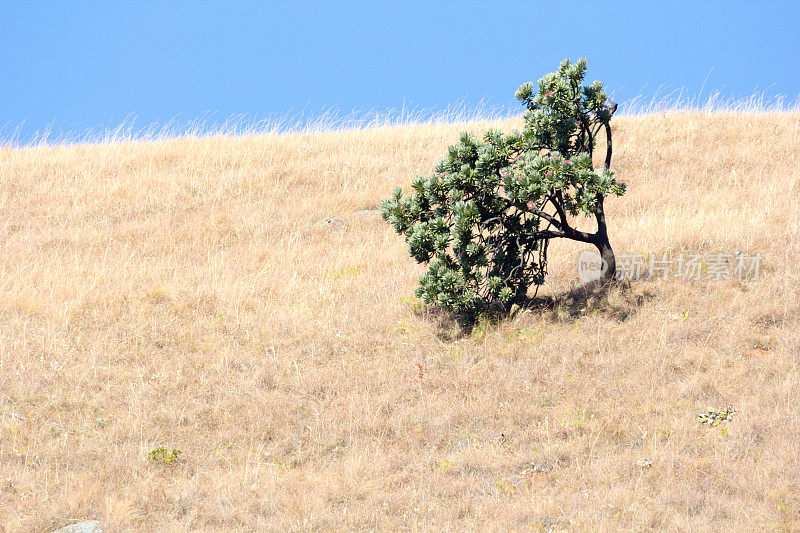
(332, 223)
(81, 527)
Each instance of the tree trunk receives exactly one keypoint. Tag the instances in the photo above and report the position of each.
(609, 261)
(601, 241)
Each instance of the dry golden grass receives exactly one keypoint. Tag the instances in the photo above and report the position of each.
(179, 294)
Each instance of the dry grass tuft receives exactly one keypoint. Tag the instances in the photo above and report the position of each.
(181, 294)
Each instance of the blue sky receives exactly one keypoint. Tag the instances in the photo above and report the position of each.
(83, 64)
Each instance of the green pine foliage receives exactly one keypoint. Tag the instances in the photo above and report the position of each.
(483, 219)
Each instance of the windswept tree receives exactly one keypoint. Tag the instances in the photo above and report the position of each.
(482, 221)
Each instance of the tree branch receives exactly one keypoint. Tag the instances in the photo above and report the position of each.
(557, 201)
(607, 164)
(548, 217)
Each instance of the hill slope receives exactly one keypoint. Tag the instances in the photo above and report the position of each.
(182, 294)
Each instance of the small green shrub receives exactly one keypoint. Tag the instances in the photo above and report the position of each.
(162, 455)
(483, 219)
(714, 417)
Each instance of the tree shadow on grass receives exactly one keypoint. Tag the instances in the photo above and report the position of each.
(617, 301)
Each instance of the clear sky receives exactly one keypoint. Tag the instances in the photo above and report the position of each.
(89, 63)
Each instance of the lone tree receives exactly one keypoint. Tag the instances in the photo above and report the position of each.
(482, 221)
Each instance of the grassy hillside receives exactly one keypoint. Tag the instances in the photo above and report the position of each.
(183, 294)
